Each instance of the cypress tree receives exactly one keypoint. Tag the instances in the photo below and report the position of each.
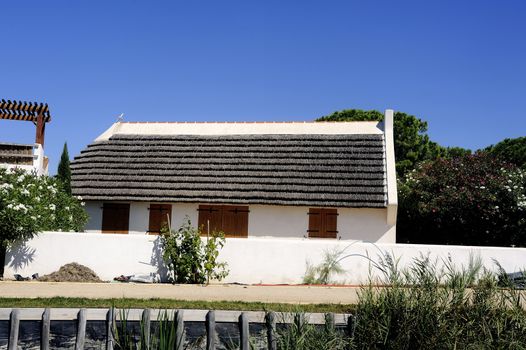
(64, 171)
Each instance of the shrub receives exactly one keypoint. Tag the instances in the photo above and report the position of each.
(428, 308)
(470, 200)
(190, 259)
(31, 204)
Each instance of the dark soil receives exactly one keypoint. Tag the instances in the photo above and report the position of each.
(72, 272)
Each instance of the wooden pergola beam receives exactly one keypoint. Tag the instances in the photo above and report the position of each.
(38, 113)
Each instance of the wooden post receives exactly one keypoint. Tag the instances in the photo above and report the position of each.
(14, 323)
(270, 320)
(110, 321)
(329, 321)
(210, 330)
(179, 330)
(243, 332)
(351, 325)
(46, 326)
(41, 128)
(146, 329)
(81, 329)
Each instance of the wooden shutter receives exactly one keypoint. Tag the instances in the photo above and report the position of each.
(159, 214)
(232, 220)
(315, 227)
(209, 215)
(323, 223)
(115, 217)
(235, 220)
(330, 218)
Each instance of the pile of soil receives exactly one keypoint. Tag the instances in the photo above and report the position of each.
(72, 272)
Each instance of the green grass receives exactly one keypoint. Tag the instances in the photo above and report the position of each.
(127, 303)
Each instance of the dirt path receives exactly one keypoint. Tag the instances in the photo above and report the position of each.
(265, 294)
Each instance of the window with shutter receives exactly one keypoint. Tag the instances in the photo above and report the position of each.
(115, 217)
(232, 220)
(159, 216)
(323, 223)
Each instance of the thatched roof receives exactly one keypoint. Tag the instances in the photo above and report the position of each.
(307, 170)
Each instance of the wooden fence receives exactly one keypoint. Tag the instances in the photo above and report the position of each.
(146, 316)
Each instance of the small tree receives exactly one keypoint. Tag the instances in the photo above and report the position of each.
(468, 200)
(64, 171)
(189, 259)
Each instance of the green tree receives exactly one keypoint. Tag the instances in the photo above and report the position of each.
(510, 150)
(30, 204)
(411, 143)
(468, 200)
(64, 171)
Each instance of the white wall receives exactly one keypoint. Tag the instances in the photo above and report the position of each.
(252, 260)
(362, 224)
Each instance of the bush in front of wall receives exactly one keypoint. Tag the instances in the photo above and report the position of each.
(189, 258)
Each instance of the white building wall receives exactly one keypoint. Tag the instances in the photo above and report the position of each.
(251, 260)
(362, 224)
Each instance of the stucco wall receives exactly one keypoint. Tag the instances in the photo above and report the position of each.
(252, 260)
(363, 224)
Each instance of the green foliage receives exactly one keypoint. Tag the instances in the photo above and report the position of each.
(511, 150)
(425, 307)
(411, 143)
(189, 259)
(470, 200)
(323, 273)
(300, 335)
(30, 204)
(64, 171)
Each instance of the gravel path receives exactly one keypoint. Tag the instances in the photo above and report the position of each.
(219, 292)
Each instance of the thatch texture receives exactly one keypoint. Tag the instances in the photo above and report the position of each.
(310, 170)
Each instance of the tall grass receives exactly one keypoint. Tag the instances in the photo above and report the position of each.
(427, 308)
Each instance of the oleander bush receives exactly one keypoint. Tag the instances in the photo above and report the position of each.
(469, 200)
(30, 204)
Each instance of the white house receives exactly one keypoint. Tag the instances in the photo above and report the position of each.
(331, 180)
(29, 157)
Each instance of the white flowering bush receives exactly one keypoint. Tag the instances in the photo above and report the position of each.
(30, 204)
(472, 200)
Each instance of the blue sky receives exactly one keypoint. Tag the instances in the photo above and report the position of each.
(459, 65)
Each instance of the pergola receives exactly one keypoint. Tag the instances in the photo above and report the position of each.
(38, 113)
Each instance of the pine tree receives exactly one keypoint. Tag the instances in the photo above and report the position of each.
(64, 171)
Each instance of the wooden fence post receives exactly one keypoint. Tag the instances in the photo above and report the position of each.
(270, 320)
(81, 329)
(329, 321)
(210, 330)
(351, 325)
(110, 320)
(46, 326)
(243, 332)
(146, 329)
(179, 330)
(14, 323)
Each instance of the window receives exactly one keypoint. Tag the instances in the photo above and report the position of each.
(323, 223)
(115, 217)
(230, 219)
(159, 216)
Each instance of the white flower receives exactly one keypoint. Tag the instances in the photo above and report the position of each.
(79, 198)
(82, 203)
(52, 207)
(25, 192)
(10, 206)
